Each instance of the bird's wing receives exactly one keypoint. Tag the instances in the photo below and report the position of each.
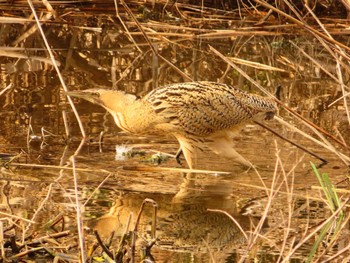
(201, 108)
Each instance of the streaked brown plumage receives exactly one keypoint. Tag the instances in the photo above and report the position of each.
(199, 114)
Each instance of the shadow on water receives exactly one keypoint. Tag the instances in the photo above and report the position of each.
(275, 206)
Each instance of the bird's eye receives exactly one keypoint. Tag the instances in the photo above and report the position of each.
(95, 94)
(269, 115)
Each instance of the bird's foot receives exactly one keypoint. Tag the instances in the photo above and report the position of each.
(177, 156)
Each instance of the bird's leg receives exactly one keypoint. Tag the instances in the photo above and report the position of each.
(177, 156)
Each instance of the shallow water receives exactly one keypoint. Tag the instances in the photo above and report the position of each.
(110, 189)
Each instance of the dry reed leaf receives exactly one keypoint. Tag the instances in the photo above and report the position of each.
(93, 29)
(234, 33)
(126, 168)
(17, 217)
(13, 54)
(169, 169)
(14, 20)
(337, 190)
(31, 30)
(255, 64)
(288, 63)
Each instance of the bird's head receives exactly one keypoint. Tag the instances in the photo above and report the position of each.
(111, 100)
(91, 95)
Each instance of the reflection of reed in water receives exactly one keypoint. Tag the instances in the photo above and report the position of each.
(201, 115)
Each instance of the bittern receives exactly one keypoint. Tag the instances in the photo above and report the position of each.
(200, 115)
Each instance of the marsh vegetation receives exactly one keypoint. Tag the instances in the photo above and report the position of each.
(67, 195)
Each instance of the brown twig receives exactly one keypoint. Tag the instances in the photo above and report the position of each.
(139, 27)
(46, 238)
(56, 67)
(324, 161)
(300, 23)
(103, 246)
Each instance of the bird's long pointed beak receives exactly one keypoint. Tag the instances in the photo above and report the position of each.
(86, 95)
(77, 94)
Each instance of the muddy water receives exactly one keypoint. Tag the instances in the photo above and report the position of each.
(111, 187)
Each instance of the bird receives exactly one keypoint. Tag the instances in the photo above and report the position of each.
(201, 115)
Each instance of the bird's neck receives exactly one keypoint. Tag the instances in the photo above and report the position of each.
(129, 113)
(117, 101)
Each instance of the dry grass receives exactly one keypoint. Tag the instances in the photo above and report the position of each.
(171, 39)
